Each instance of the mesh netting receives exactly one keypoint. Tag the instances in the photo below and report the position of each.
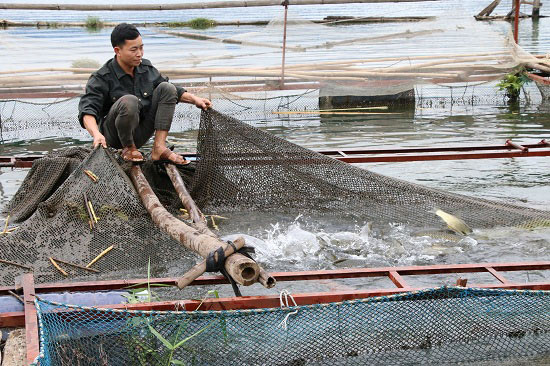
(242, 167)
(440, 326)
(52, 195)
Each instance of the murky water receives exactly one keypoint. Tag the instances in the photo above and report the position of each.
(296, 242)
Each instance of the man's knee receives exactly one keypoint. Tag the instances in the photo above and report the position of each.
(168, 92)
(129, 104)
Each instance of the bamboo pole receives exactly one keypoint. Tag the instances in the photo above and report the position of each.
(203, 37)
(406, 34)
(218, 23)
(183, 6)
(243, 270)
(200, 268)
(483, 56)
(196, 215)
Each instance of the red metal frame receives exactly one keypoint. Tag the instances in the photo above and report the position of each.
(519, 151)
(395, 274)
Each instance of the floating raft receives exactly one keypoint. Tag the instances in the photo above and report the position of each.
(28, 291)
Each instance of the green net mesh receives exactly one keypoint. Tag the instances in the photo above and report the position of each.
(435, 326)
(240, 168)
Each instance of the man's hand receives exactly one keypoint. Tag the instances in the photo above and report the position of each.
(202, 103)
(99, 139)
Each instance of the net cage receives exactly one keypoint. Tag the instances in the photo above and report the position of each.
(239, 169)
(432, 64)
(443, 326)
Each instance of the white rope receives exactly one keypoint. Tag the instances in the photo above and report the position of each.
(283, 300)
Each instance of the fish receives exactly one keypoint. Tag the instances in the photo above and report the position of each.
(447, 235)
(454, 223)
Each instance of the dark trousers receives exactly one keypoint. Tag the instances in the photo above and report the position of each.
(126, 125)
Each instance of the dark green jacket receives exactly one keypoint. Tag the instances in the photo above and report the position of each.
(110, 82)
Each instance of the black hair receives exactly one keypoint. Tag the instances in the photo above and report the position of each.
(122, 32)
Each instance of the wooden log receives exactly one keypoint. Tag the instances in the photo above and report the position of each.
(489, 9)
(243, 270)
(200, 268)
(199, 5)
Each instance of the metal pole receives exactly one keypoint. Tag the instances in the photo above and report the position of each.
(516, 20)
(285, 3)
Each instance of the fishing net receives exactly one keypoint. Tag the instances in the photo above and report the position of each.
(56, 224)
(436, 326)
(240, 168)
(439, 62)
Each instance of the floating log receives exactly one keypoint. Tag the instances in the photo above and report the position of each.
(199, 5)
(243, 270)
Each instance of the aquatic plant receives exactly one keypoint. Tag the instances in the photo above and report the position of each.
(512, 84)
(94, 23)
(85, 63)
(201, 23)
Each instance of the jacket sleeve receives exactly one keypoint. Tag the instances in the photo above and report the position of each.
(159, 79)
(97, 91)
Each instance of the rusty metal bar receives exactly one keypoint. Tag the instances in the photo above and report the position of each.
(343, 155)
(498, 276)
(298, 276)
(26, 282)
(517, 146)
(397, 279)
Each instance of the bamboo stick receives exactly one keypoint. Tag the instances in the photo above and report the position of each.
(203, 37)
(57, 267)
(182, 6)
(6, 225)
(485, 55)
(192, 209)
(15, 264)
(100, 255)
(218, 23)
(76, 265)
(377, 38)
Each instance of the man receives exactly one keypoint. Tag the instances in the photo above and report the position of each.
(127, 101)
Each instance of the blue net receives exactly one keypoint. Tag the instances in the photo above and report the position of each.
(447, 325)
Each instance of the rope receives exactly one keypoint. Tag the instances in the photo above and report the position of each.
(284, 303)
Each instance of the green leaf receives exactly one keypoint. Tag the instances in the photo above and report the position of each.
(161, 338)
(215, 292)
(177, 362)
(191, 336)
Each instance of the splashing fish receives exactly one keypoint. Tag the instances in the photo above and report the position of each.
(454, 223)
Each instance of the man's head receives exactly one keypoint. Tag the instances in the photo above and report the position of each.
(127, 44)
